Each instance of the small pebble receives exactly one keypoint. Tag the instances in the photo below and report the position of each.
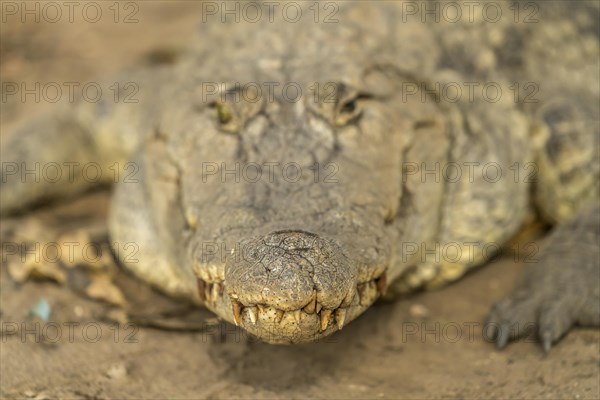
(78, 311)
(116, 371)
(418, 311)
(41, 310)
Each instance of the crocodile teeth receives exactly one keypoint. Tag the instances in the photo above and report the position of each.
(318, 308)
(215, 291)
(325, 316)
(253, 314)
(237, 308)
(310, 307)
(382, 284)
(296, 315)
(278, 315)
(201, 289)
(340, 317)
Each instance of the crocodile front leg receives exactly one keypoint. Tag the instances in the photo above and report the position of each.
(62, 153)
(559, 291)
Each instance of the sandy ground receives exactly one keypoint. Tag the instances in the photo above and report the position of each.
(428, 345)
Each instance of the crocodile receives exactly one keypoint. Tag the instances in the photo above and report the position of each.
(291, 169)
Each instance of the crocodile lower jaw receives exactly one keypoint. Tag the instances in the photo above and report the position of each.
(305, 324)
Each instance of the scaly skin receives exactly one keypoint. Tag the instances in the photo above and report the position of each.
(294, 260)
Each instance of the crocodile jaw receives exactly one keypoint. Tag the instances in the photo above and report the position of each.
(306, 324)
(289, 287)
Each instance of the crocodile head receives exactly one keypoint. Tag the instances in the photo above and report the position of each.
(292, 184)
(293, 207)
(301, 208)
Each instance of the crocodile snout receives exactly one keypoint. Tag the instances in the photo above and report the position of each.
(290, 283)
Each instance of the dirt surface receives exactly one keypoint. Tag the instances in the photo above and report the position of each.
(428, 345)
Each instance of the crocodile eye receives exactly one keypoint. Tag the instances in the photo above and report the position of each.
(348, 107)
(349, 110)
(227, 117)
(224, 113)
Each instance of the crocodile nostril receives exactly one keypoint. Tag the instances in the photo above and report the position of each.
(291, 270)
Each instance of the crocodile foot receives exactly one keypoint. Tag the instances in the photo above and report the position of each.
(558, 291)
